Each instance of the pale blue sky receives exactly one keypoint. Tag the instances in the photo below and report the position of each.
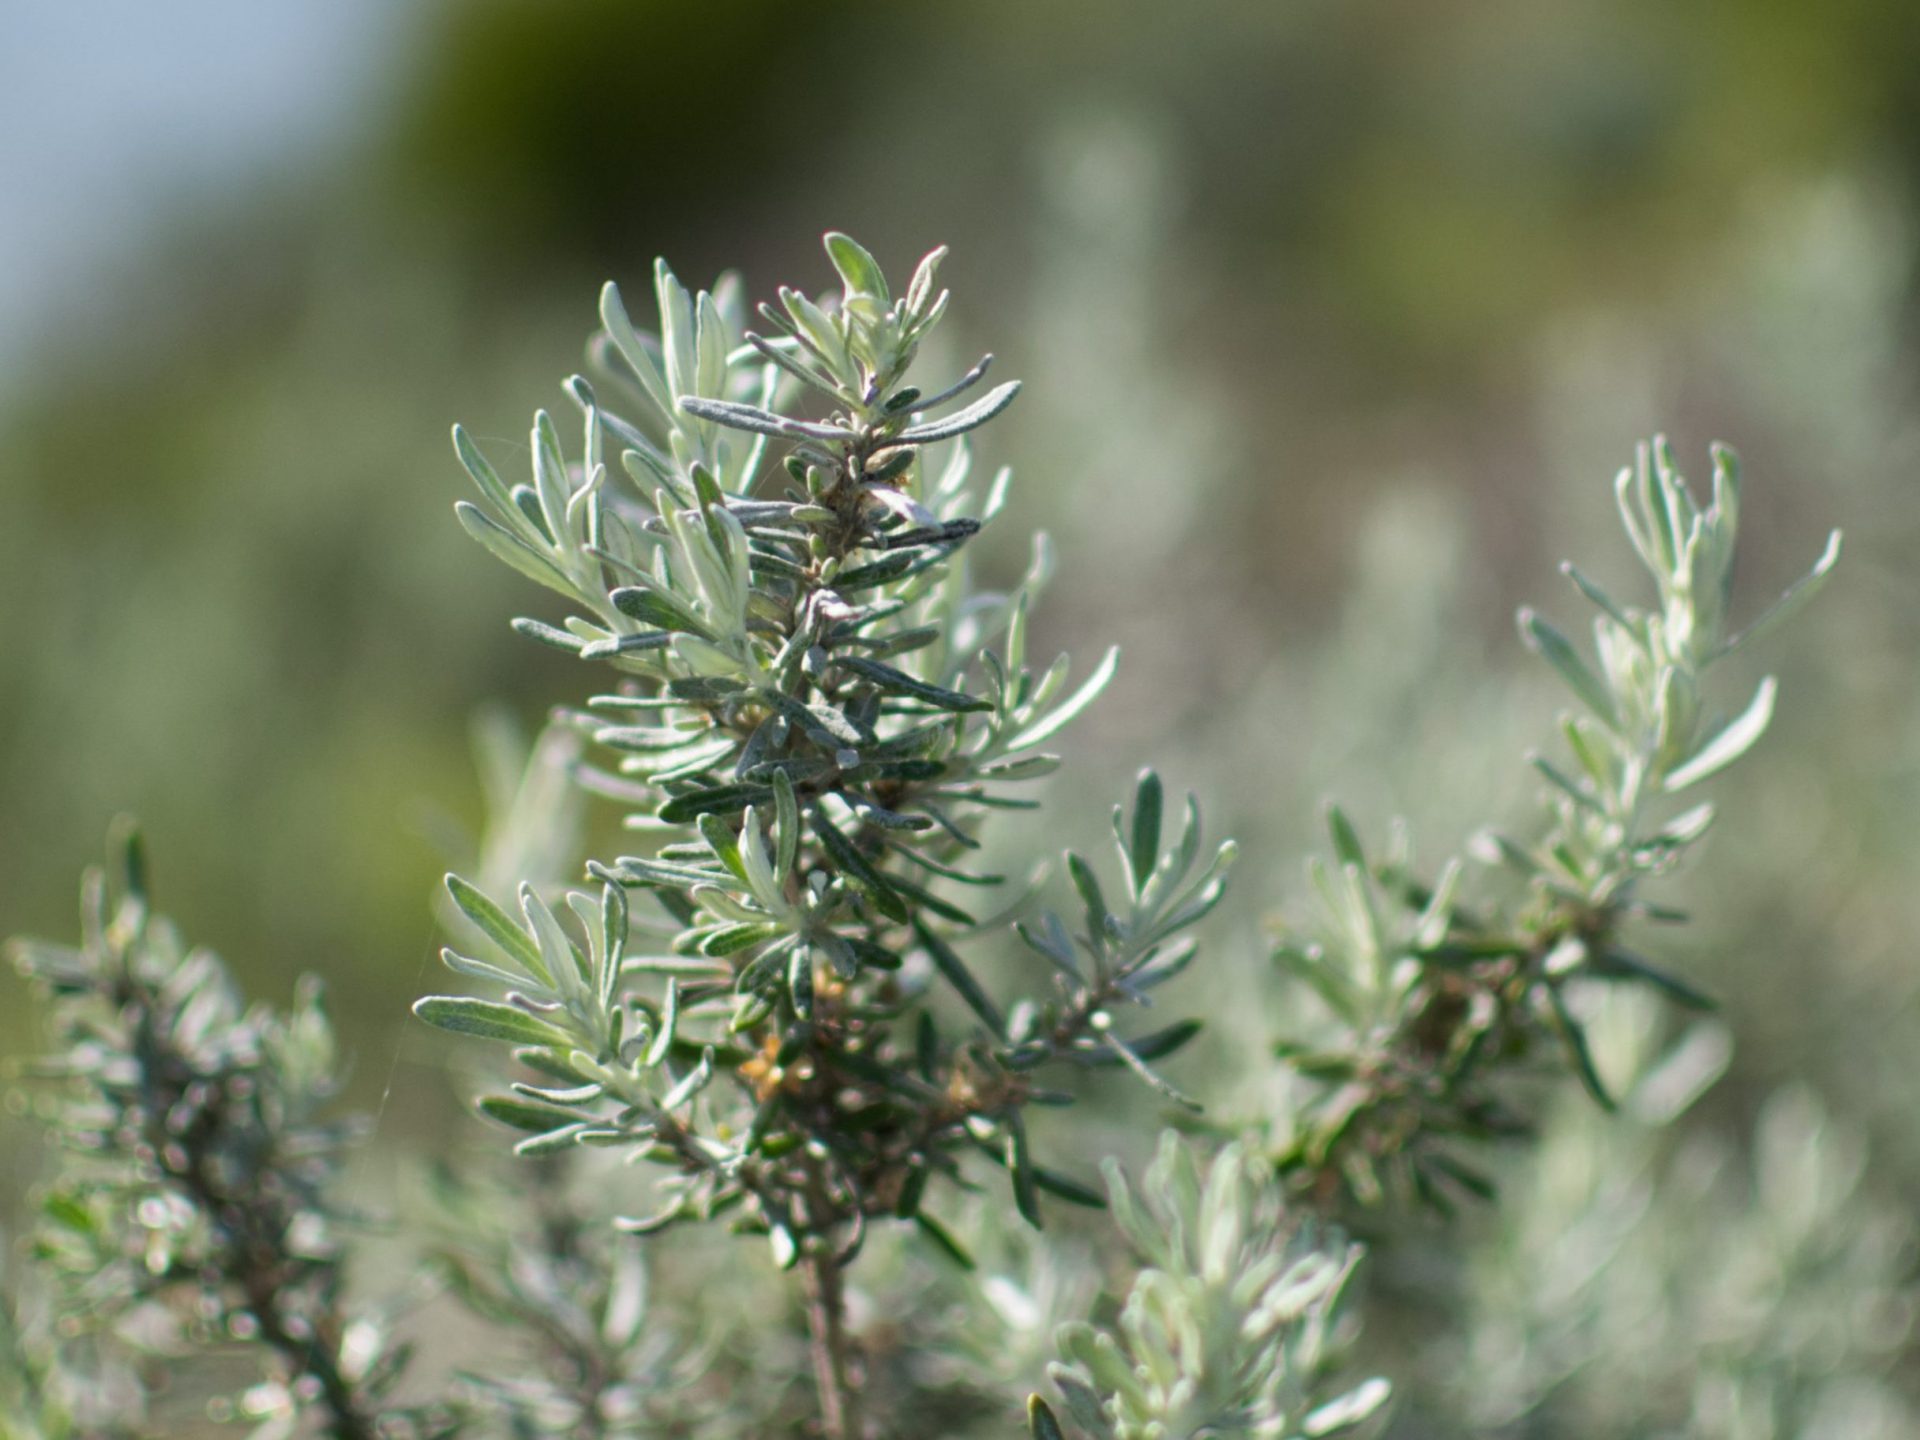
(116, 112)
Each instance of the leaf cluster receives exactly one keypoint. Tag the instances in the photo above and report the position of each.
(192, 1204)
(813, 712)
(1231, 1327)
(775, 1004)
(1437, 999)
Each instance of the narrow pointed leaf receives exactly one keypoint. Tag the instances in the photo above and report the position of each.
(1733, 741)
(961, 421)
(1064, 713)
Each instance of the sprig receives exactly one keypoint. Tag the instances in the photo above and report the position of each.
(193, 1205)
(1231, 1328)
(1436, 1000)
(814, 712)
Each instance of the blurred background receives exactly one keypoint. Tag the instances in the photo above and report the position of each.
(1337, 320)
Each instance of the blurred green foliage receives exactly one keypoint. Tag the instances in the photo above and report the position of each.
(1380, 292)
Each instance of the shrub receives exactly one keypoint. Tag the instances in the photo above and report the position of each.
(801, 1012)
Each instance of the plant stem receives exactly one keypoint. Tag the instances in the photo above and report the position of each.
(830, 1348)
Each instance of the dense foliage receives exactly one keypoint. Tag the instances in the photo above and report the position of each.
(787, 1010)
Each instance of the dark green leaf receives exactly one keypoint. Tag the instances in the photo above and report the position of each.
(943, 1238)
(898, 682)
(1623, 964)
(1026, 1194)
(1158, 1044)
(1099, 918)
(1148, 802)
(950, 965)
(1578, 1050)
(1040, 1422)
(848, 858)
(720, 800)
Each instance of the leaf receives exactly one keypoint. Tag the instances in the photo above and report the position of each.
(498, 927)
(819, 722)
(562, 958)
(662, 1043)
(624, 645)
(959, 387)
(883, 571)
(950, 965)
(657, 607)
(1558, 651)
(484, 475)
(1349, 1410)
(719, 800)
(943, 1239)
(848, 858)
(1026, 1194)
(1566, 785)
(858, 269)
(511, 548)
(800, 980)
(1040, 1422)
(736, 416)
(525, 1115)
(613, 940)
(1148, 801)
(676, 329)
(786, 1253)
(549, 475)
(547, 635)
(1155, 1082)
(1064, 713)
(1734, 740)
(921, 286)
(641, 870)
(784, 355)
(486, 1020)
(1068, 1189)
(732, 939)
(1346, 840)
(1160, 1043)
(1312, 968)
(613, 315)
(709, 348)
(961, 421)
(691, 1084)
(479, 969)
(1577, 1048)
(786, 825)
(1100, 922)
(1624, 964)
(898, 682)
(65, 1210)
(1599, 597)
(1797, 594)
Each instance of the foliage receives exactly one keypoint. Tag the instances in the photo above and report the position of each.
(1228, 1330)
(1435, 1000)
(782, 1007)
(1653, 1284)
(192, 1206)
